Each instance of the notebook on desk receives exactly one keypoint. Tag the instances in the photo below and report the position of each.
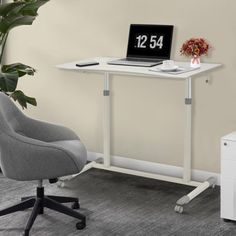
(148, 45)
(178, 70)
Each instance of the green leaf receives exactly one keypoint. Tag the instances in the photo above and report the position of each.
(22, 99)
(14, 14)
(8, 81)
(32, 7)
(8, 8)
(18, 68)
(18, 13)
(10, 22)
(21, 7)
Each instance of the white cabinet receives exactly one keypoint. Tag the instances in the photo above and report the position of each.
(228, 177)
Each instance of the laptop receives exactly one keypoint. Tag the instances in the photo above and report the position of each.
(148, 45)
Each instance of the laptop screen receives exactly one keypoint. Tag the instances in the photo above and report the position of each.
(150, 41)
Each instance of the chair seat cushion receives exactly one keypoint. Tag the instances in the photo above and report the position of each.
(76, 149)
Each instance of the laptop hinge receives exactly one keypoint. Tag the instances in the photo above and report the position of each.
(145, 59)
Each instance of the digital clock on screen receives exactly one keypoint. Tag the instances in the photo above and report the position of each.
(149, 41)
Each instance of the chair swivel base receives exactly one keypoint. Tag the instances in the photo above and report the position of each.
(39, 202)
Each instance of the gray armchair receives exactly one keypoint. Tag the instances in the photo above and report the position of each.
(35, 150)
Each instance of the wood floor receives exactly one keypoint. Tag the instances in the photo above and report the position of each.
(119, 205)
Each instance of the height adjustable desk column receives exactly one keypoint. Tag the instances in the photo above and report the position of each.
(108, 70)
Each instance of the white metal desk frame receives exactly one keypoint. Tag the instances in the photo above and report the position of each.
(109, 70)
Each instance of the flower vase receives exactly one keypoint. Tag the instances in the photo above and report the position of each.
(195, 62)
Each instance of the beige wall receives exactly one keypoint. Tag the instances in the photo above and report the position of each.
(148, 114)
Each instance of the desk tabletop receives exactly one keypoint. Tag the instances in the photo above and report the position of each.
(103, 67)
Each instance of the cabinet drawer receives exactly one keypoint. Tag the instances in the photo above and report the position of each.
(228, 199)
(228, 149)
(228, 169)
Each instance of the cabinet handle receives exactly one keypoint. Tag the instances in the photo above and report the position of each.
(225, 144)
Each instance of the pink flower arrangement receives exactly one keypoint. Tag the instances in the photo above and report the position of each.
(195, 47)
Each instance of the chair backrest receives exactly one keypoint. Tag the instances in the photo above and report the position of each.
(23, 157)
(13, 151)
(9, 125)
(9, 115)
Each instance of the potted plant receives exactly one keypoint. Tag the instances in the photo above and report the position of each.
(195, 47)
(14, 14)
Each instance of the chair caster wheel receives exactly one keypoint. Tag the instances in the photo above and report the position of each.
(75, 205)
(179, 209)
(80, 225)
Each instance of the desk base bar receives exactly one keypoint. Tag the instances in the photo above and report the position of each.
(146, 174)
(200, 187)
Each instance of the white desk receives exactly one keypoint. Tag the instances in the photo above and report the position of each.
(109, 70)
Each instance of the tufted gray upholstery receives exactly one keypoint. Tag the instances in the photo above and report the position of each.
(35, 150)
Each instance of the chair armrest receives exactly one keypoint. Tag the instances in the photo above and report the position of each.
(23, 158)
(44, 131)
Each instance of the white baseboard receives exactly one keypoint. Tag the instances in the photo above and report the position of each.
(156, 168)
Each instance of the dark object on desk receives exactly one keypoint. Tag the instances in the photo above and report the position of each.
(35, 150)
(87, 63)
(148, 45)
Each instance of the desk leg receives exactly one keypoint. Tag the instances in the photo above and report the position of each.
(188, 155)
(106, 135)
(106, 121)
(188, 132)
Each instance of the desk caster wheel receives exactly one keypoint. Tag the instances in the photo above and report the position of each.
(75, 205)
(80, 225)
(179, 209)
